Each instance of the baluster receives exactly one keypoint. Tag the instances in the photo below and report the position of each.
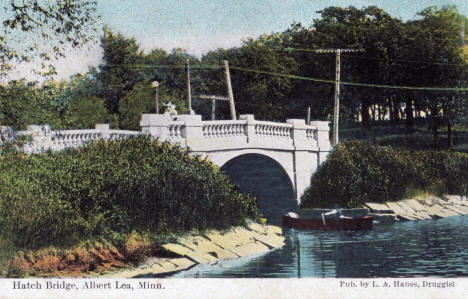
(213, 131)
(178, 132)
(222, 129)
(171, 132)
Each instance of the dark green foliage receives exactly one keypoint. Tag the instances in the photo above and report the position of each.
(141, 99)
(114, 187)
(356, 172)
(86, 112)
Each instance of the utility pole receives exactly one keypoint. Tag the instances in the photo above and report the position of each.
(336, 106)
(189, 95)
(229, 89)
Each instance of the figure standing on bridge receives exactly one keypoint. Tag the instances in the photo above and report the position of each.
(170, 110)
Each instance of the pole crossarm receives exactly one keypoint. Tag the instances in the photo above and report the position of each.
(213, 97)
(339, 50)
(350, 50)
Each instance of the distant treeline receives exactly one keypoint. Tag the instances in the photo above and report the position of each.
(425, 52)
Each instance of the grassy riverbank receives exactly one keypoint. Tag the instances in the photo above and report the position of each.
(356, 172)
(109, 190)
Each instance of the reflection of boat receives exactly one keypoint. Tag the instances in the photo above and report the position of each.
(292, 220)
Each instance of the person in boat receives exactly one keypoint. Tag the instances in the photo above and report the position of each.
(337, 212)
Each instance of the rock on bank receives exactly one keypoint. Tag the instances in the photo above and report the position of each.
(209, 248)
(429, 207)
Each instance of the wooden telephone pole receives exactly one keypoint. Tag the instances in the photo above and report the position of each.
(229, 89)
(336, 106)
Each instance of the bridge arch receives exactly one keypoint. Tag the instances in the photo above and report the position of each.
(284, 159)
(265, 178)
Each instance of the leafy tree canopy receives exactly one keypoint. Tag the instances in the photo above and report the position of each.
(48, 26)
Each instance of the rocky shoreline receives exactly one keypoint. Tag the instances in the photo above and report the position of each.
(209, 248)
(428, 207)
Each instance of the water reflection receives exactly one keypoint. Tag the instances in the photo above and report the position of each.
(422, 248)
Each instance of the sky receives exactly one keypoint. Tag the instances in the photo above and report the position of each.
(202, 25)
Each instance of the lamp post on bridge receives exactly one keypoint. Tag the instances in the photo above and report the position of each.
(155, 84)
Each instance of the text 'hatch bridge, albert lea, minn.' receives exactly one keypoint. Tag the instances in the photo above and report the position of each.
(297, 147)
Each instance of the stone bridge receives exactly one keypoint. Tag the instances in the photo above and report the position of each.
(298, 148)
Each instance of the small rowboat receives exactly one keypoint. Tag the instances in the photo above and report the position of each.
(291, 220)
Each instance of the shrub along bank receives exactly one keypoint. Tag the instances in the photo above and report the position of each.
(356, 172)
(108, 189)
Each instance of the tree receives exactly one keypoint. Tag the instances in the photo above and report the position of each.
(372, 29)
(24, 103)
(437, 38)
(262, 94)
(119, 71)
(86, 112)
(47, 27)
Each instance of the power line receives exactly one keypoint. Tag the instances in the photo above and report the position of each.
(406, 60)
(290, 76)
(290, 49)
(164, 66)
(350, 83)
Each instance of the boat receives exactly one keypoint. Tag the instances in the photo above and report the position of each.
(292, 220)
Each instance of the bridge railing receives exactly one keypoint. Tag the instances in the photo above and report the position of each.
(191, 131)
(272, 129)
(220, 129)
(43, 138)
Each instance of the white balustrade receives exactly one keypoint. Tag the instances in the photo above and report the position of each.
(191, 131)
(222, 129)
(311, 134)
(175, 131)
(122, 134)
(271, 129)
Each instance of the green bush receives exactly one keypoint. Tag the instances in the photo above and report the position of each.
(109, 187)
(356, 172)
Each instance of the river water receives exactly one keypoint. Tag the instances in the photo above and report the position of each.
(409, 249)
(406, 249)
